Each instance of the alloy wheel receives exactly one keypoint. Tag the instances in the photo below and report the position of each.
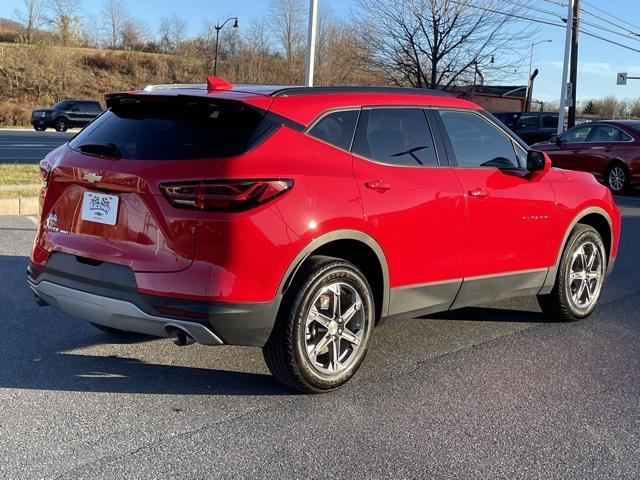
(617, 178)
(585, 277)
(334, 329)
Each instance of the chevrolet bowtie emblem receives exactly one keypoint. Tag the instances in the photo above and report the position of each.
(92, 177)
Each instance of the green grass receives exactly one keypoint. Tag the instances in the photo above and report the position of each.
(19, 174)
(18, 193)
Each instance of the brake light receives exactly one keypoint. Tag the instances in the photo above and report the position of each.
(44, 172)
(224, 195)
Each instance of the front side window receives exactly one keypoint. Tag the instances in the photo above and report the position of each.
(336, 128)
(607, 133)
(398, 136)
(528, 121)
(64, 105)
(549, 121)
(476, 142)
(577, 134)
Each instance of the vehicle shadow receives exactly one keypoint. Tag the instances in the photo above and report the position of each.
(489, 314)
(36, 352)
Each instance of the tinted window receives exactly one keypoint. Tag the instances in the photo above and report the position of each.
(90, 106)
(607, 133)
(577, 134)
(173, 130)
(336, 128)
(528, 121)
(509, 119)
(64, 105)
(476, 142)
(549, 121)
(399, 136)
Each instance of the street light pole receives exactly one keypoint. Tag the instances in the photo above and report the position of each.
(565, 68)
(219, 27)
(311, 43)
(531, 76)
(533, 44)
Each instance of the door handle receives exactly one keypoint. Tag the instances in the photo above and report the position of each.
(377, 185)
(477, 193)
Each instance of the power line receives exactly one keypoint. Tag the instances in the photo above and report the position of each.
(545, 22)
(595, 7)
(614, 24)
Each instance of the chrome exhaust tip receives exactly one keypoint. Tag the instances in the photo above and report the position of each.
(180, 337)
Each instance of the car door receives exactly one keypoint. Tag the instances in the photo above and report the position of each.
(413, 206)
(605, 142)
(75, 114)
(509, 211)
(572, 148)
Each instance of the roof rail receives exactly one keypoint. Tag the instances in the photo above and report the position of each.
(292, 91)
(175, 86)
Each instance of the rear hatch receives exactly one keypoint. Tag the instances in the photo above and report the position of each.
(103, 198)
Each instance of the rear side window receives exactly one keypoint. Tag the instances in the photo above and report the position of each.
(476, 142)
(398, 136)
(181, 129)
(606, 133)
(90, 106)
(549, 121)
(336, 128)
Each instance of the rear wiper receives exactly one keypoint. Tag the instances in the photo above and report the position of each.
(102, 149)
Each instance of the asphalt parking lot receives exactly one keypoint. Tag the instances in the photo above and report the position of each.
(487, 392)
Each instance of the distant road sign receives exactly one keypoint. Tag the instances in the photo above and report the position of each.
(622, 79)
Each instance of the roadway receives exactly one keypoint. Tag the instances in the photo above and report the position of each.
(486, 392)
(29, 146)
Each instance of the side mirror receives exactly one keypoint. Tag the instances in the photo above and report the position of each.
(538, 161)
(555, 139)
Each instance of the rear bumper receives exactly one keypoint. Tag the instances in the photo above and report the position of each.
(117, 313)
(106, 294)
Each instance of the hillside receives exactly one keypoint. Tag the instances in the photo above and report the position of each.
(39, 75)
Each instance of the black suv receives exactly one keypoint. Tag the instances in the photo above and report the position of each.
(532, 127)
(65, 114)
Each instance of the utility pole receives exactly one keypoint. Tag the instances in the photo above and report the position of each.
(311, 43)
(573, 77)
(565, 68)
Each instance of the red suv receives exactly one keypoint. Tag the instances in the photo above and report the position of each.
(297, 219)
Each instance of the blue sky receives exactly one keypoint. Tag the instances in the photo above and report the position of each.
(599, 61)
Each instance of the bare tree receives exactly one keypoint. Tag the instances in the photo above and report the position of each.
(440, 43)
(134, 34)
(172, 32)
(30, 16)
(114, 14)
(64, 16)
(288, 20)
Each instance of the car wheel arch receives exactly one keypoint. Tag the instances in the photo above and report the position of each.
(356, 247)
(595, 217)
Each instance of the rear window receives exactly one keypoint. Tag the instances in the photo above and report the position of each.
(173, 130)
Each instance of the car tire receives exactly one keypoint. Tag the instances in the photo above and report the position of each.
(324, 327)
(39, 128)
(112, 331)
(617, 178)
(579, 279)
(61, 125)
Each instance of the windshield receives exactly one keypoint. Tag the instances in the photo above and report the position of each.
(176, 129)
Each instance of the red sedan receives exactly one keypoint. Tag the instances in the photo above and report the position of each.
(610, 150)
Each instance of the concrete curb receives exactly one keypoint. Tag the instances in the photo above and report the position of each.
(19, 206)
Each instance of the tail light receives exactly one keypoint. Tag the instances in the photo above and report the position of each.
(45, 171)
(224, 195)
